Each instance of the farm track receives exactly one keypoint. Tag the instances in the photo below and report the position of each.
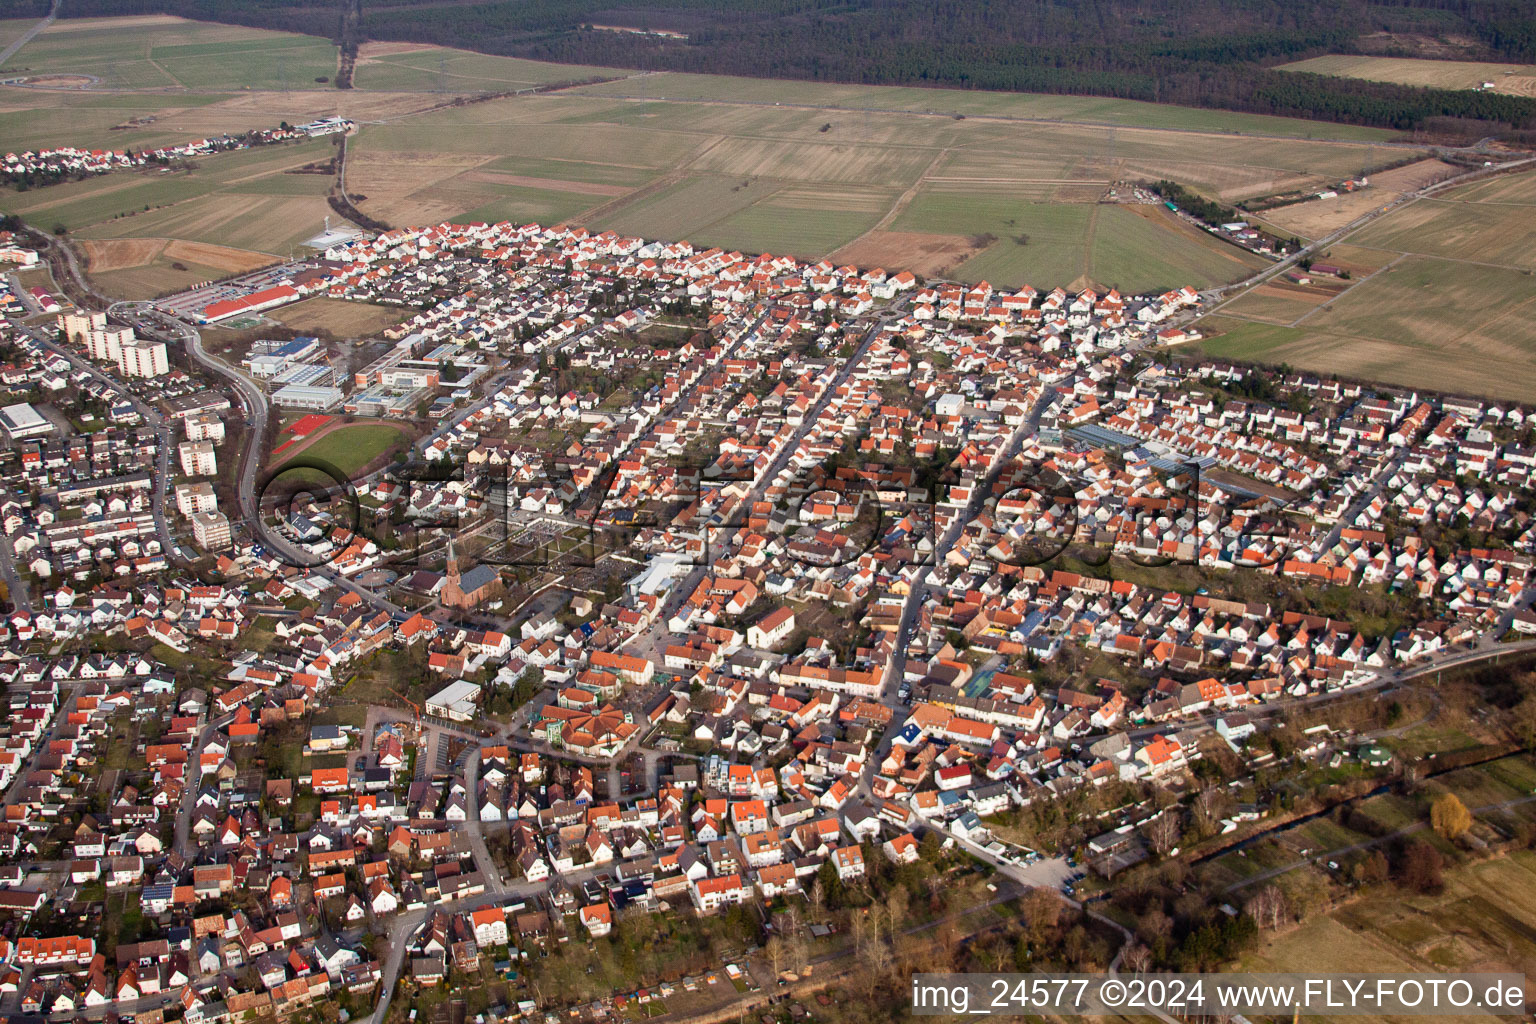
(27, 37)
(902, 202)
(1356, 284)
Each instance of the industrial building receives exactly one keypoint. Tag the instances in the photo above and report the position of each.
(21, 420)
(317, 398)
(270, 358)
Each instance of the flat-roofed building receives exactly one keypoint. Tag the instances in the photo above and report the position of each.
(196, 497)
(304, 396)
(143, 358)
(458, 700)
(198, 458)
(21, 420)
(211, 530)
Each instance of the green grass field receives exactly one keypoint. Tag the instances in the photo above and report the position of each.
(159, 53)
(794, 230)
(1050, 244)
(573, 170)
(349, 448)
(61, 119)
(437, 69)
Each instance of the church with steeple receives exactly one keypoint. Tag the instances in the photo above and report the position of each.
(466, 590)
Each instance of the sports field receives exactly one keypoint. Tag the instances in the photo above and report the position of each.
(1514, 79)
(349, 447)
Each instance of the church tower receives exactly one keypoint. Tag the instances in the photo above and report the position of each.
(452, 593)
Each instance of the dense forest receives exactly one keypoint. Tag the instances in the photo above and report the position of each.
(1212, 53)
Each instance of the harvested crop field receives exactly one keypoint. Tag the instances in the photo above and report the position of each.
(1489, 222)
(1414, 176)
(920, 252)
(1318, 217)
(106, 255)
(1512, 79)
(555, 184)
(1281, 303)
(263, 224)
(220, 257)
(1422, 322)
(338, 317)
(120, 254)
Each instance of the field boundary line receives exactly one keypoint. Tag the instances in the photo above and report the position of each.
(1356, 284)
(1059, 122)
(899, 206)
(618, 203)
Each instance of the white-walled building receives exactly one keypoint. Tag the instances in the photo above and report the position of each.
(211, 530)
(143, 358)
(198, 458)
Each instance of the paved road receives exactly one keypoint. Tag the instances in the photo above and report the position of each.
(10, 51)
(1216, 298)
(193, 780)
(59, 719)
(15, 586)
(487, 863)
(255, 408)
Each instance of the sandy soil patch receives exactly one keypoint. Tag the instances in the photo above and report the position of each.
(373, 51)
(62, 81)
(553, 184)
(345, 319)
(219, 257)
(917, 251)
(1412, 177)
(121, 253)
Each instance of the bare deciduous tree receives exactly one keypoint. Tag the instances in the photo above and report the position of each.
(1267, 907)
(1163, 832)
(1136, 958)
